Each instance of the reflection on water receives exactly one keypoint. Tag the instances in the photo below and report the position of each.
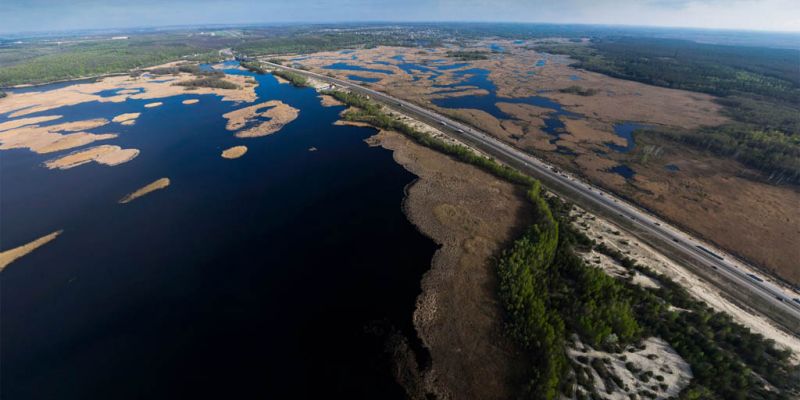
(256, 277)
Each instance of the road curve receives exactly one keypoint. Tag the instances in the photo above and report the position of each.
(721, 271)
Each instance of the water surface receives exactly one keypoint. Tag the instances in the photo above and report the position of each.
(275, 275)
(553, 125)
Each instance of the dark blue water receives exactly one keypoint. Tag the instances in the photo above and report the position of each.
(625, 130)
(115, 92)
(410, 69)
(258, 277)
(574, 78)
(623, 170)
(496, 48)
(672, 168)
(541, 63)
(451, 66)
(480, 77)
(350, 67)
(38, 88)
(362, 78)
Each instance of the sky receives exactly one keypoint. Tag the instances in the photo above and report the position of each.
(53, 15)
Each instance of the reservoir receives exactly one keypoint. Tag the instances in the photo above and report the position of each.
(279, 274)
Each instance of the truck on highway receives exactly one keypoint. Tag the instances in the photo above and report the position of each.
(711, 253)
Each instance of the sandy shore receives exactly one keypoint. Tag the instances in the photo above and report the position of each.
(234, 152)
(190, 101)
(149, 188)
(104, 154)
(9, 256)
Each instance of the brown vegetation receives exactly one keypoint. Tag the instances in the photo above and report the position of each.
(471, 214)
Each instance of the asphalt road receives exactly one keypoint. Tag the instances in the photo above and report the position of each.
(771, 299)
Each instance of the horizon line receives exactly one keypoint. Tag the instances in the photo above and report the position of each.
(366, 22)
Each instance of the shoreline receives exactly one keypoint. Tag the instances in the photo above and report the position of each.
(10, 89)
(471, 215)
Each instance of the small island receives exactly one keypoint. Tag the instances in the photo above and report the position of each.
(234, 152)
(147, 189)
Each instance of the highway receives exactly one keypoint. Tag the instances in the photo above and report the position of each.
(721, 269)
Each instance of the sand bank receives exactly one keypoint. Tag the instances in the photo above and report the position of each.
(234, 152)
(52, 138)
(149, 188)
(126, 119)
(16, 123)
(155, 104)
(279, 115)
(145, 87)
(190, 101)
(329, 101)
(104, 154)
(280, 80)
(9, 256)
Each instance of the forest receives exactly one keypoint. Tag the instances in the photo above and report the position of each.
(92, 58)
(759, 88)
(549, 293)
